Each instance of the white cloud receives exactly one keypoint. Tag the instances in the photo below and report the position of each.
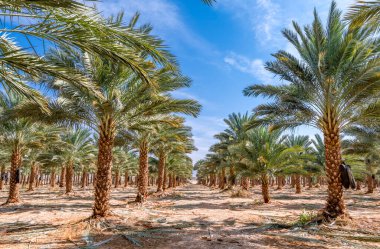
(266, 18)
(163, 15)
(261, 15)
(254, 67)
(269, 20)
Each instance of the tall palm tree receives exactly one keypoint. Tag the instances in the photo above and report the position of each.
(336, 73)
(126, 102)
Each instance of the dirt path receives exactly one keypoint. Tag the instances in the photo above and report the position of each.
(191, 216)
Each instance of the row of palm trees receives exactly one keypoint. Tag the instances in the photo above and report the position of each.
(105, 97)
(332, 84)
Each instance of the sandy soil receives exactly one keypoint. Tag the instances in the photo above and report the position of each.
(191, 216)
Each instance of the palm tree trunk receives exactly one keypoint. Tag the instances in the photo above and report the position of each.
(143, 173)
(161, 167)
(175, 181)
(103, 178)
(279, 182)
(358, 185)
(297, 179)
(2, 175)
(265, 187)
(117, 174)
(69, 177)
(170, 180)
(232, 177)
(32, 176)
(126, 178)
(369, 184)
(310, 182)
(14, 184)
(245, 183)
(164, 183)
(223, 179)
(335, 203)
(83, 180)
(52, 178)
(62, 177)
(293, 181)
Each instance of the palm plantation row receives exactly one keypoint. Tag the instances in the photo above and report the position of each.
(105, 103)
(331, 84)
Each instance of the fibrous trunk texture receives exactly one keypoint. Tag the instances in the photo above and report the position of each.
(103, 178)
(52, 178)
(232, 177)
(62, 178)
(117, 175)
(310, 181)
(84, 177)
(143, 173)
(245, 183)
(165, 181)
(369, 184)
(161, 168)
(2, 176)
(14, 184)
(69, 177)
(265, 188)
(335, 203)
(126, 178)
(32, 176)
(222, 184)
(297, 179)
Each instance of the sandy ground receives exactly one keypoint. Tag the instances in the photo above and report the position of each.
(190, 216)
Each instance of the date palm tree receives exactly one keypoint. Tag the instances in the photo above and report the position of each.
(72, 25)
(167, 140)
(126, 102)
(20, 134)
(365, 143)
(262, 152)
(232, 135)
(336, 72)
(365, 13)
(78, 147)
(297, 167)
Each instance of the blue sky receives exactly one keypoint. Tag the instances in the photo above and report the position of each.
(222, 48)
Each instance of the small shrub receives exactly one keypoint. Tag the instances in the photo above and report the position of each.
(306, 216)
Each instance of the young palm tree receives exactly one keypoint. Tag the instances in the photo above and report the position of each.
(44, 137)
(234, 134)
(366, 144)
(336, 73)
(20, 134)
(297, 168)
(78, 148)
(262, 152)
(167, 140)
